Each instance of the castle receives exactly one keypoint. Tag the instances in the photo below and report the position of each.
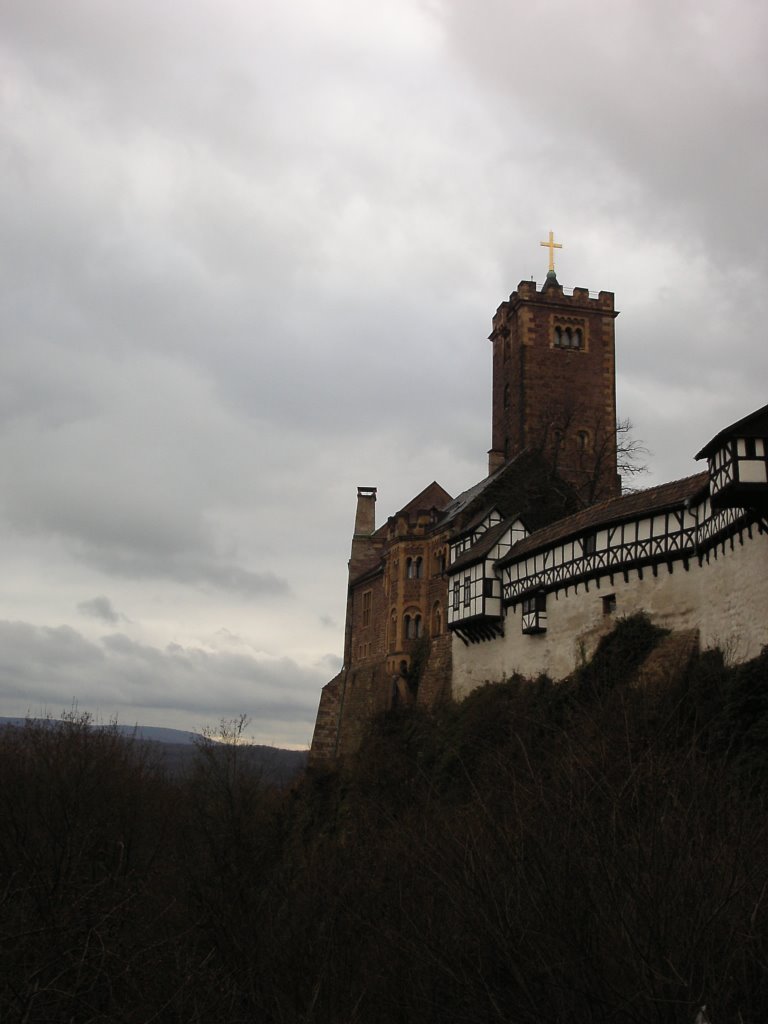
(527, 569)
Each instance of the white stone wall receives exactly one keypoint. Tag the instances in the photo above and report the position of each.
(725, 598)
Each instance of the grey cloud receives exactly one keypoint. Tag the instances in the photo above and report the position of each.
(99, 607)
(188, 570)
(43, 662)
(665, 101)
(40, 666)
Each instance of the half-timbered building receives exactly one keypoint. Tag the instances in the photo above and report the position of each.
(675, 552)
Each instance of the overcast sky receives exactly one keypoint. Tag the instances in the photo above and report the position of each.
(250, 255)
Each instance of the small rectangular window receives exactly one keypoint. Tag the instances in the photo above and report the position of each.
(466, 590)
(366, 608)
(609, 604)
(535, 614)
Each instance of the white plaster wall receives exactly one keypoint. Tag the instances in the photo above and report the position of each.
(725, 598)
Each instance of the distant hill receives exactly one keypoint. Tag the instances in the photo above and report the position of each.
(275, 766)
(141, 732)
(176, 749)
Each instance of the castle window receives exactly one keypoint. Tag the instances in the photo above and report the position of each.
(412, 626)
(750, 448)
(609, 604)
(456, 594)
(437, 620)
(589, 543)
(467, 591)
(366, 608)
(568, 337)
(535, 614)
(413, 568)
(440, 563)
(582, 441)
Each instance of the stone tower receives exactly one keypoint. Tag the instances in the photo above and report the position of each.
(554, 387)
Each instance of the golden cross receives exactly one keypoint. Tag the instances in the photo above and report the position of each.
(551, 245)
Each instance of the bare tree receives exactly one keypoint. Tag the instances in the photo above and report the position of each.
(589, 453)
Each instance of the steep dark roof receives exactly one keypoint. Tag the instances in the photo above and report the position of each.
(484, 544)
(465, 499)
(524, 484)
(476, 520)
(754, 425)
(629, 506)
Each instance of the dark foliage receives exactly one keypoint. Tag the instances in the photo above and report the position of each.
(584, 851)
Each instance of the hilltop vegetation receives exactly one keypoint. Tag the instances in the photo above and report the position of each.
(589, 851)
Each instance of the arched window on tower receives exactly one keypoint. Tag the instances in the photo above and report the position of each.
(414, 568)
(582, 441)
(437, 619)
(412, 625)
(568, 337)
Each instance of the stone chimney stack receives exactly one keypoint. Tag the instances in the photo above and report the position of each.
(365, 519)
(365, 524)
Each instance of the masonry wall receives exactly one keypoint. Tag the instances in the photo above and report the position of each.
(435, 683)
(725, 598)
(561, 401)
(324, 738)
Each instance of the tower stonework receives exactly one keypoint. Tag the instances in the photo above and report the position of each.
(554, 384)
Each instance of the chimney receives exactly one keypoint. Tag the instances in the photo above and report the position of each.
(365, 519)
(365, 524)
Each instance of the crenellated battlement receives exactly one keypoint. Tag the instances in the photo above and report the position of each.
(552, 293)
